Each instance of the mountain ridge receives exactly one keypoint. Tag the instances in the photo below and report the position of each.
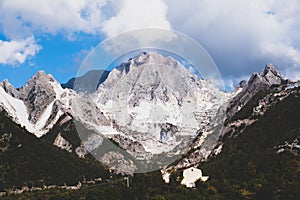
(241, 160)
(158, 107)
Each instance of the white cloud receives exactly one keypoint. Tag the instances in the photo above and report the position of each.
(16, 52)
(293, 73)
(135, 14)
(242, 36)
(136, 24)
(21, 18)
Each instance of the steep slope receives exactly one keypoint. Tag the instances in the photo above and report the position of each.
(37, 105)
(261, 160)
(9, 88)
(257, 85)
(28, 161)
(158, 102)
(252, 165)
(150, 106)
(250, 100)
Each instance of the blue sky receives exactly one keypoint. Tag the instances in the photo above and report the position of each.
(58, 56)
(55, 36)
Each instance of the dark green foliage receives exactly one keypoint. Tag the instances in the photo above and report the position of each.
(33, 162)
(249, 163)
(247, 168)
(247, 109)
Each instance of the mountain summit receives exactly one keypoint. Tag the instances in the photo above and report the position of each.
(150, 106)
(258, 83)
(151, 92)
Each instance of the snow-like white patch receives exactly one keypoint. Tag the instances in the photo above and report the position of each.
(166, 176)
(45, 116)
(218, 150)
(16, 108)
(191, 175)
(57, 88)
(18, 112)
(62, 143)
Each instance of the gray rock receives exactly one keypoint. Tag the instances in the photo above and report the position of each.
(37, 94)
(258, 82)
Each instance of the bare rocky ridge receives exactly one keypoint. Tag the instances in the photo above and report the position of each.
(9, 88)
(37, 94)
(150, 93)
(149, 106)
(257, 82)
(250, 100)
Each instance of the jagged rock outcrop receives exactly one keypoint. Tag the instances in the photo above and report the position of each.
(37, 95)
(258, 82)
(150, 92)
(37, 105)
(150, 106)
(62, 143)
(118, 163)
(251, 99)
(9, 88)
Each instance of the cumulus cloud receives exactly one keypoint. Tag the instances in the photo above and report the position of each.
(16, 52)
(19, 18)
(134, 14)
(130, 17)
(242, 36)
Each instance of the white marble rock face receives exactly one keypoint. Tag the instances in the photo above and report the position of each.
(149, 105)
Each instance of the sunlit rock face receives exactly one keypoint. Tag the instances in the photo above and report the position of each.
(158, 101)
(150, 106)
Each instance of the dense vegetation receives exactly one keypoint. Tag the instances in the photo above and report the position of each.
(249, 167)
(28, 161)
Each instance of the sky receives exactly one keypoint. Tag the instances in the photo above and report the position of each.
(240, 36)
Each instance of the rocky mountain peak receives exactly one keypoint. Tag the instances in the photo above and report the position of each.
(267, 77)
(151, 92)
(41, 77)
(151, 76)
(272, 75)
(37, 94)
(261, 81)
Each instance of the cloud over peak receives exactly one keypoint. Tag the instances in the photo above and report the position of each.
(17, 51)
(241, 36)
(135, 14)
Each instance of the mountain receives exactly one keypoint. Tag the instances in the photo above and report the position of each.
(151, 107)
(257, 161)
(157, 102)
(250, 100)
(260, 156)
(28, 161)
(257, 84)
(249, 147)
(89, 82)
(38, 104)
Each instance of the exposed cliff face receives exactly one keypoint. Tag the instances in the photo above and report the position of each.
(37, 105)
(37, 95)
(250, 100)
(258, 82)
(150, 93)
(9, 88)
(149, 106)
